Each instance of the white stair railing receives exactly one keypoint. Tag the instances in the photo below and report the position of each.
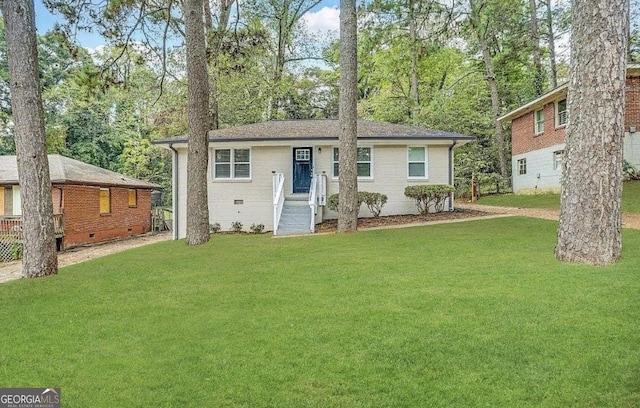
(278, 199)
(321, 189)
(313, 203)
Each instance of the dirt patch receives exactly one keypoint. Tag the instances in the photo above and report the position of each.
(403, 220)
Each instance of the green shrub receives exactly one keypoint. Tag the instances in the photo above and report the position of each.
(214, 228)
(236, 226)
(629, 172)
(257, 229)
(426, 196)
(373, 201)
(16, 251)
(332, 202)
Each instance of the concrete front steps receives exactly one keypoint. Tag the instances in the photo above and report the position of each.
(295, 218)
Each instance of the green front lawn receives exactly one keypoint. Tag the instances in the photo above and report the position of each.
(630, 199)
(457, 315)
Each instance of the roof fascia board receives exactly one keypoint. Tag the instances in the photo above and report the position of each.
(271, 141)
(541, 100)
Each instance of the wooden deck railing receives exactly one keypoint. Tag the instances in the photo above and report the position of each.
(11, 226)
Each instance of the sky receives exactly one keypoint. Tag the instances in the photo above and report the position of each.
(322, 19)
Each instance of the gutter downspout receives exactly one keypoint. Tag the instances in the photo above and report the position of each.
(174, 192)
(454, 142)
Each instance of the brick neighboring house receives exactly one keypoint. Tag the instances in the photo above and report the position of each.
(537, 136)
(96, 204)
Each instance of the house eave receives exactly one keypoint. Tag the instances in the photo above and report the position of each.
(461, 139)
(550, 96)
(633, 69)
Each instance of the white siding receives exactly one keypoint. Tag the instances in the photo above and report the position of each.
(632, 148)
(180, 213)
(540, 173)
(250, 201)
(390, 177)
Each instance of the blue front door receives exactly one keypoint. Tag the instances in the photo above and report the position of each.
(302, 164)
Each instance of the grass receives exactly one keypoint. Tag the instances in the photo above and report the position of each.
(630, 199)
(469, 314)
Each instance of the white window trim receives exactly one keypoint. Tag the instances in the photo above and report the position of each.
(523, 160)
(557, 114)
(535, 121)
(17, 200)
(559, 167)
(370, 177)
(426, 164)
(232, 176)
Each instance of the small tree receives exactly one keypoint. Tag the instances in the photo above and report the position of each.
(429, 196)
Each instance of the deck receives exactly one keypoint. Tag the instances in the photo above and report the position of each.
(11, 235)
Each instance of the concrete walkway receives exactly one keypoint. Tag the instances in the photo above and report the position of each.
(629, 220)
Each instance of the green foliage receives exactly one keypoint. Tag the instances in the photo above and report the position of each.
(333, 201)
(429, 196)
(236, 226)
(629, 172)
(16, 250)
(475, 159)
(373, 201)
(257, 228)
(214, 228)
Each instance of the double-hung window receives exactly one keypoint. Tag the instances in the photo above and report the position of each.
(417, 162)
(232, 164)
(557, 159)
(364, 162)
(561, 112)
(539, 121)
(522, 166)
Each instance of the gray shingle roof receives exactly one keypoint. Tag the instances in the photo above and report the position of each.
(321, 129)
(64, 170)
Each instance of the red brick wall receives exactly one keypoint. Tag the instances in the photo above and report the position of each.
(523, 138)
(632, 114)
(83, 222)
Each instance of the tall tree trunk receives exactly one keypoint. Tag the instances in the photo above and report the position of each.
(413, 38)
(348, 115)
(274, 102)
(198, 116)
(590, 218)
(215, 37)
(535, 45)
(495, 106)
(212, 59)
(552, 46)
(39, 254)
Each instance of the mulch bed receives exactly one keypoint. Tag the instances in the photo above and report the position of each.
(393, 220)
